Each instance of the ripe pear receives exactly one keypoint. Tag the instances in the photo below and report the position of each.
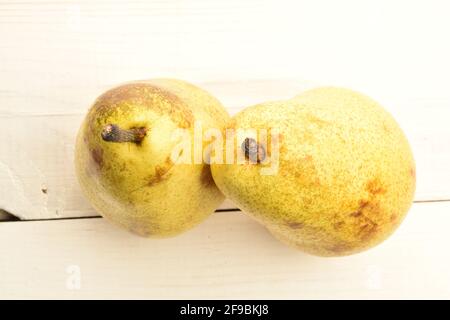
(344, 178)
(125, 162)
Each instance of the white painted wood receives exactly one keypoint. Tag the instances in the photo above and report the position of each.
(57, 56)
(229, 256)
(37, 178)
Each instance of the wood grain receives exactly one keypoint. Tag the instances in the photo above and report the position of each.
(37, 178)
(229, 257)
(57, 56)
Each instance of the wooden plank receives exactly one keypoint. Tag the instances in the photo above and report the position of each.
(37, 178)
(229, 256)
(70, 50)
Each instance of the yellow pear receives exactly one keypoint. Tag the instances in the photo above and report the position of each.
(337, 177)
(125, 160)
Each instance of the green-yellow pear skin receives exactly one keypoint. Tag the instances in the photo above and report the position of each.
(124, 160)
(345, 178)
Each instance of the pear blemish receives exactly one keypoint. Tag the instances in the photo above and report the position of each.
(97, 156)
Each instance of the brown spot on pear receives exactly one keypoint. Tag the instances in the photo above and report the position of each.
(374, 187)
(97, 156)
(295, 225)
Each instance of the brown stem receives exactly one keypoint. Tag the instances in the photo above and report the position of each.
(113, 133)
(253, 151)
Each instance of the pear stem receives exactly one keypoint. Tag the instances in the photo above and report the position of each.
(253, 151)
(113, 133)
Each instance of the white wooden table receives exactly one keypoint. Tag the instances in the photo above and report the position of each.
(57, 56)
